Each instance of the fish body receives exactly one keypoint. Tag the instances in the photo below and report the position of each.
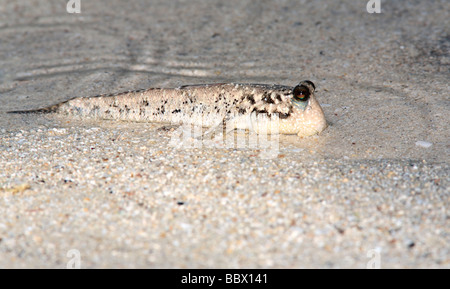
(259, 107)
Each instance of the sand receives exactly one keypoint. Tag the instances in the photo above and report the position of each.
(371, 191)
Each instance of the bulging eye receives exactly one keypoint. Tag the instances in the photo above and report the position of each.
(301, 93)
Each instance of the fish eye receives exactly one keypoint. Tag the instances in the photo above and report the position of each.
(301, 93)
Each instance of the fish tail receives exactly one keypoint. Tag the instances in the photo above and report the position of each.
(48, 109)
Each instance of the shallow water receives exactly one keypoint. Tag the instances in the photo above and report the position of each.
(382, 88)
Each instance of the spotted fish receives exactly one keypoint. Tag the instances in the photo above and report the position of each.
(261, 108)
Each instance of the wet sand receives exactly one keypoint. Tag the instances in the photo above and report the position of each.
(374, 183)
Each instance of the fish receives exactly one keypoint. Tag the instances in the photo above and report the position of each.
(261, 108)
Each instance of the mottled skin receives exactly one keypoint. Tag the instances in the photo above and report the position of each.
(258, 107)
